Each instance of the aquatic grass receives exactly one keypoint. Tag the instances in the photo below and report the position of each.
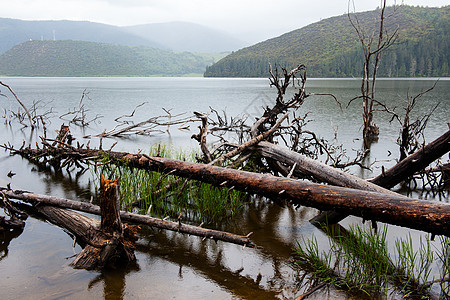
(359, 260)
(443, 255)
(169, 195)
(414, 266)
(316, 262)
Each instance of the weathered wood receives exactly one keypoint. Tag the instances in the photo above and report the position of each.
(415, 162)
(109, 206)
(428, 216)
(251, 142)
(85, 229)
(100, 249)
(130, 217)
(317, 169)
(105, 240)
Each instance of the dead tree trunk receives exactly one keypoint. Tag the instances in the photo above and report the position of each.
(130, 217)
(319, 171)
(388, 179)
(105, 242)
(415, 162)
(433, 217)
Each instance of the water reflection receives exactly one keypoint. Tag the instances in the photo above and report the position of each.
(113, 281)
(207, 259)
(173, 265)
(6, 237)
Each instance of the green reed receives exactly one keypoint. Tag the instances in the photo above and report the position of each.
(359, 260)
(167, 195)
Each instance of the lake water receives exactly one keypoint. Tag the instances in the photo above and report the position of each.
(35, 265)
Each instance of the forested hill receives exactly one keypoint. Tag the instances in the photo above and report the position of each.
(80, 58)
(330, 48)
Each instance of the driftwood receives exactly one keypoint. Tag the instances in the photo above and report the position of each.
(415, 162)
(319, 171)
(398, 173)
(107, 242)
(401, 171)
(131, 217)
(433, 217)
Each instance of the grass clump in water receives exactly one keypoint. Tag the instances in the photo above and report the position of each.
(167, 195)
(358, 260)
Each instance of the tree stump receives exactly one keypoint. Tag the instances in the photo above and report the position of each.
(108, 242)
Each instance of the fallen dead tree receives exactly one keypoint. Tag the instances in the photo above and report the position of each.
(107, 242)
(433, 217)
(416, 162)
(321, 172)
(387, 179)
(131, 217)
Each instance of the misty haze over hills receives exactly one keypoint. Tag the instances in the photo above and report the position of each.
(329, 48)
(177, 36)
(184, 36)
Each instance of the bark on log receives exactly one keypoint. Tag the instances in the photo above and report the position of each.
(428, 216)
(433, 217)
(317, 169)
(415, 162)
(105, 240)
(130, 217)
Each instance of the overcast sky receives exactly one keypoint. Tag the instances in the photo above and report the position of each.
(261, 18)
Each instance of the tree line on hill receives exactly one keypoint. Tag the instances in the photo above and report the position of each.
(330, 48)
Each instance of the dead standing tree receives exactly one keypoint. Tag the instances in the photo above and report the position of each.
(21, 104)
(373, 44)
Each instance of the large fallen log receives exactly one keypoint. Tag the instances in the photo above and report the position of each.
(433, 217)
(318, 170)
(387, 179)
(131, 217)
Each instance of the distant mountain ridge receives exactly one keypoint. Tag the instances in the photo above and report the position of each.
(184, 36)
(80, 58)
(330, 48)
(14, 32)
(172, 35)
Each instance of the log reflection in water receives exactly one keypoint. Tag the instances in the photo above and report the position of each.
(114, 281)
(261, 273)
(5, 239)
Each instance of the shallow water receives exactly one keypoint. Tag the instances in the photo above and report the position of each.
(35, 264)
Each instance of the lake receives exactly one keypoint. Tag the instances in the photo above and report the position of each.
(35, 265)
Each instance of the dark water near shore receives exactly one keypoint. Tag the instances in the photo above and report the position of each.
(35, 265)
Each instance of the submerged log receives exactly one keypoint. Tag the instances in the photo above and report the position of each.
(130, 217)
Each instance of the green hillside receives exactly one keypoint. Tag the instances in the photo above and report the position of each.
(79, 58)
(330, 48)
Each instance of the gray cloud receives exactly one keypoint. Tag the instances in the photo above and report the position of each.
(261, 19)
